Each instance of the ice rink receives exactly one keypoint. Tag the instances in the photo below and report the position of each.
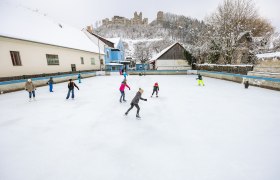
(217, 132)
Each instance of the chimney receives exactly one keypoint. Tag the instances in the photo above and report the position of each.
(90, 29)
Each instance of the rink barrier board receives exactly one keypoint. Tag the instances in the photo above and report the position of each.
(264, 82)
(17, 85)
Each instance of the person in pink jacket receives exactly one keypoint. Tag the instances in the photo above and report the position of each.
(123, 85)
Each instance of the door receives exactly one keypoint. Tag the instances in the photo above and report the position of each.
(73, 67)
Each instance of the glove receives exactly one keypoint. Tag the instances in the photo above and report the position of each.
(129, 88)
(145, 99)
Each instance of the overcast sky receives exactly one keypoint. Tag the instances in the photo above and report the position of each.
(80, 13)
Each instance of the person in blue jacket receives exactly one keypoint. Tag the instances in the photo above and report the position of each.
(50, 83)
(125, 74)
(79, 78)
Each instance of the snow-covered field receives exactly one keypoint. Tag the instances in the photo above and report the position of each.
(217, 132)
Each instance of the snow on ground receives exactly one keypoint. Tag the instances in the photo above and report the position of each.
(216, 132)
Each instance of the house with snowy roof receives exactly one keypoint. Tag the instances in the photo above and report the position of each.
(267, 65)
(32, 44)
(115, 55)
(171, 58)
(113, 49)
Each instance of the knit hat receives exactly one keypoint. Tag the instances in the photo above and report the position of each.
(156, 84)
(141, 90)
(29, 80)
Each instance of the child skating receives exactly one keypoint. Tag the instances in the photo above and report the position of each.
(246, 83)
(71, 86)
(30, 88)
(122, 87)
(155, 89)
(135, 102)
(79, 78)
(50, 83)
(199, 80)
(125, 74)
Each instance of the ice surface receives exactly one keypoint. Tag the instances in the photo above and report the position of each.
(216, 132)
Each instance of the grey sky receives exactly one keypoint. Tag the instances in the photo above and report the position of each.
(80, 13)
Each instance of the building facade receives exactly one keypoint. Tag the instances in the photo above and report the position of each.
(35, 44)
(19, 57)
(171, 58)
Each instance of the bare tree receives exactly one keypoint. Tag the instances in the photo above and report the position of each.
(232, 19)
(142, 52)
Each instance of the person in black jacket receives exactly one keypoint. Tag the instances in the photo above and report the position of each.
(135, 102)
(71, 86)
(199, 80)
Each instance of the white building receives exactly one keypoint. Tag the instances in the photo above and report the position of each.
(31, 43)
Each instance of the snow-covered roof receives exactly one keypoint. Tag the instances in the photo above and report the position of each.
(162, 52)
(268, 55)
(115, 41)
(22, 23)
(114, 64)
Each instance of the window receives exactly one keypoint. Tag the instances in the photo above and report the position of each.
(15, 58)
(82, 60)
(52, 59)
(92, 61)
(108, 54)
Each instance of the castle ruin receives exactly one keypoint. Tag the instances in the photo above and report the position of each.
(118, 20)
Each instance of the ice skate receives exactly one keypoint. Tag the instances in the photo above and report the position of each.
(137, 116)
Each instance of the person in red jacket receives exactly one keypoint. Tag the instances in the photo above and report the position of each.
(155, 89)
(122, 87)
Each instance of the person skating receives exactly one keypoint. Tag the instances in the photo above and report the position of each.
(122, 87)
(30, 88)
(199, 80)
(71, 86)
(125, 74)
(79, 78)
(135, 102)
(50, 83)
(155, 89)
(246, 83)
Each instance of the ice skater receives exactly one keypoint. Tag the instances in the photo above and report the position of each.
(50, 83)
(30, 88)
(155, 89)
(135, 102)
(79, 78)
(71, 86)
(246, 83)
(122, 87)
(199, 80)
(125, 74)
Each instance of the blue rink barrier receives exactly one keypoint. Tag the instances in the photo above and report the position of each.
(46, 78)
(243, 76)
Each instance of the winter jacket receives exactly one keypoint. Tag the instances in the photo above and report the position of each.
(135, 100)
(29, 86)
(71, 85)
(123, 85)
(124, 74)
(199, 77)
(156, 88)
(50, 81)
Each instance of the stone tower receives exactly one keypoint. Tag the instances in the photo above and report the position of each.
(159, 17)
